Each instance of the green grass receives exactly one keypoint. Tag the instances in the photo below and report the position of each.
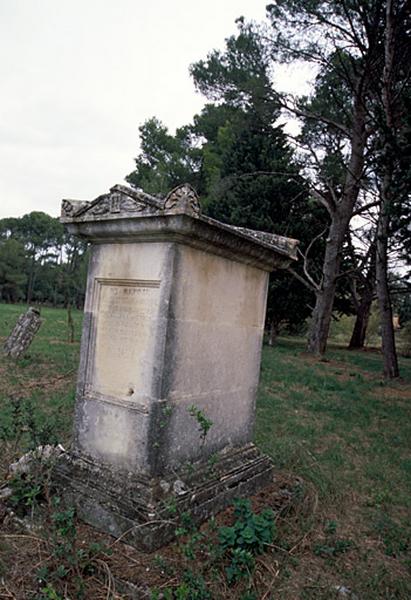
(345, 430)
(336, 424)
(40, 386)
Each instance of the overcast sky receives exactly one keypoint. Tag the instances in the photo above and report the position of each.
(79, 76)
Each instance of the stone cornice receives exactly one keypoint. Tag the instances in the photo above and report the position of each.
(125, 215)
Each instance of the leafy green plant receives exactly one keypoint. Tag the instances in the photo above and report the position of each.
(31, 487)
(49, 593)
(27, 491)
(204, 423)
(250, 531)
(166, 411)
(330, 527)
(22, 421)
(247, 537)
(241, 565)
(68, 562)
(193, 587)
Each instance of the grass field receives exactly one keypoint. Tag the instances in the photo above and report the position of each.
(335, 424)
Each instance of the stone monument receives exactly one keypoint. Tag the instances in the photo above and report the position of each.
(172, 336)
(23, 333)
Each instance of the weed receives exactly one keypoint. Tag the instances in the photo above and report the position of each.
(193, 587)
(241, 565)
(204, 424)
(27, 492)
(248, 536)
(166, 412)
(31, 487)
(330, 527)
(396, 538)
(29, 427)
(68, 561)
(163, 565)
(212, 461)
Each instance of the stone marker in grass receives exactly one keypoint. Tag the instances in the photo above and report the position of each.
(23, 333)
(170, 358)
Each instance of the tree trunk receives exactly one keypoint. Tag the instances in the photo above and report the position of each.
(359, 332)
(30, 283)
(70, 324)
(364, 302)
(340, 218)
(387, 329)
(321, 317)
(273, 332)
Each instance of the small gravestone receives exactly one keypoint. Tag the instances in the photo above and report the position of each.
(170, 357)
(23, 333)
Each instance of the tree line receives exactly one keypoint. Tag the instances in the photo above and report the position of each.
(40, 262)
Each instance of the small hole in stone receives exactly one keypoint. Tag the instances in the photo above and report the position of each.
(130, 391)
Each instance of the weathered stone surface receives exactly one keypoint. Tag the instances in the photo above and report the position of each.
(173, 327)
(137, 508)
(23, 333)
(129, 214)
(40, 456)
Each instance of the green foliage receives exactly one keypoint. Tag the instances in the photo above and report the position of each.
(332, 423)
(28, 490)
(39, 262)
(23, 422)
(165, 160)
(249, 535)
(12, 270)
(250, 531)
(204, 423)
(69, 561)
(395, 537)
(193, 587)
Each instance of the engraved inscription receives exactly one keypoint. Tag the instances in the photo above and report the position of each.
(124, 338)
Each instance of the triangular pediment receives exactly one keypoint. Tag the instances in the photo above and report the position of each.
(121, 200)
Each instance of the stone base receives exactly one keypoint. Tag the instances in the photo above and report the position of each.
(144, 512)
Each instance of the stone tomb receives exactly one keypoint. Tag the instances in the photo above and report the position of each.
(172, 332)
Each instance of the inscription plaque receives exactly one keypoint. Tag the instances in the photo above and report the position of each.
(123, 345)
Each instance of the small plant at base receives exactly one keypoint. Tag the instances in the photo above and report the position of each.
(193, 587)
(247, 537)
(161, 563)
(211, 463)
(241, 565)
(203, 423)
(166, 412)
(27, 491)
(330, 527)
(68, 562)
(49, 593)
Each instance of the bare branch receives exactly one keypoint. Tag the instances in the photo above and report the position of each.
(362, 209)
(315, 116)
(304, 256)
(301, 279)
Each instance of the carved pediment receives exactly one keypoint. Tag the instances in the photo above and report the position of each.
(120, 201)
(183, 198)
(123, 201)
(69, 208)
